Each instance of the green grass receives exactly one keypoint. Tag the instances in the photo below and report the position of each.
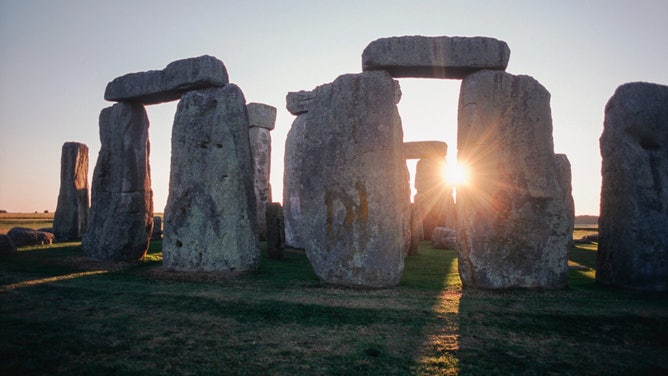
(63, 314)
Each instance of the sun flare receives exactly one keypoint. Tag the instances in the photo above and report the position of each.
(456, 174)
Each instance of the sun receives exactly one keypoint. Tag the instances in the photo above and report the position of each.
(456, 174)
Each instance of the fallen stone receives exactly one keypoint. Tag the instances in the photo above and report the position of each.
(71, 218)
(425, 149)
(22, 236)
(293, 160)
(7, 246)
(261, 115)
(121, 212)
(633, 223)
(512, 225)
(444, 238)
(210, 222)
(170, 83)
(275, 231)
(355, 197)
(435, 57)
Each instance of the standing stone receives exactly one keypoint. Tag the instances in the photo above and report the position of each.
(425, 149)
(633, 223)
(417, 232)
(355, 197)
(121, 213)
(292, 175)
(71, 218)
(512, 226)
(435, 57)
(275, 232)
(564, 175)
(156, 234)
(444, 238)
(261, 119)
(434, 195)
(210, 213)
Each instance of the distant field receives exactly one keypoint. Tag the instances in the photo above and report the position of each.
(30, 220)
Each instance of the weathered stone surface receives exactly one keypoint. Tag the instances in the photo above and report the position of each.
(121, 212)
(275, 231)
(157, 229)
(512, 228)
(564, 176)
(260, 144)
(170, 83)
(425, 149)
(435, 57)
(297, 102)
(355, 195)
(417, 232)
(261, 115)
(22, 236)
(71, 218)
(210, 213)
(444, 238)
(434, 196)
(7, 246)
(633, 223)
(292, 175)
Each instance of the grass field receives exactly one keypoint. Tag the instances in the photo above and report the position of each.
(63, 314)
(30, 220)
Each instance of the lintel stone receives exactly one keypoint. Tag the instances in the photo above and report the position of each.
(435, 57)
(261, 115)
(425, 149)
(169, 84)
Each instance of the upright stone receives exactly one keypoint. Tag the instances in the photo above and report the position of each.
(633, 223)
(355, 195)
(292, 175)
(417, 232)
(425, 149)
(434, 195)
(513, 229)
(275, 231)
(121, 213)
(71, 218)
(156, 234)
(261, 119)
(210, 213)
(435, 57)
(564, 175)
(170, 83)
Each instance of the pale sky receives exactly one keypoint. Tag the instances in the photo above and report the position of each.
(57, 56)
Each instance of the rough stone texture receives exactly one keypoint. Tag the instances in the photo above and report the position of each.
(157, 229)
(297, 102)
(564, 175)
(121, 212)
(71, 218)
(417, 232)
(261, 115)
(434, 196)
(444, 238)
(170, 83)
(7, 246)
(210, 213)
(275, 230)
(633, 223)
(261, 120)
(355, 197)
(513, 229)
(22, 236)
(425, 149)
(435, 57)
(292, 175)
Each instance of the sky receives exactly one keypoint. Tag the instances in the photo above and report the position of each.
(57, 56)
